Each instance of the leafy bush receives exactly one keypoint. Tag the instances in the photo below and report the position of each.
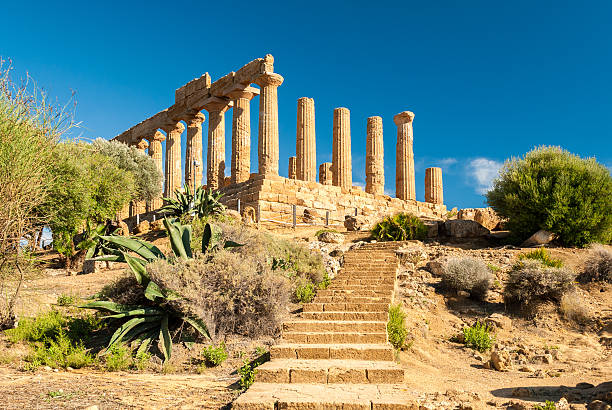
(551, 189)
(247, 374)
(543, 256)
(469, 275)
(399, 227)
(45, 326)
(215, 355)
(478, 337)
(61, 351)
(304, 291)
(598, 267)
(118, 357)
(396, 328)
(573, 308)
(530, 281)
(66, 300)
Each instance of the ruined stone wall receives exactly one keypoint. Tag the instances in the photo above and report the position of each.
(276, 196)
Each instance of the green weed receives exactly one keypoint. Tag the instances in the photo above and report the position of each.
(478, 337)
(543, 256)
(396, 328)
(118, 357)
(215, 355)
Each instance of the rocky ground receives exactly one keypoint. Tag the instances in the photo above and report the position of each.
(543, 357)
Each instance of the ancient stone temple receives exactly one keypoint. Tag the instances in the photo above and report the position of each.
(273, 196)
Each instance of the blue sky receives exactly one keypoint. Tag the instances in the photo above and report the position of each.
(486, 80)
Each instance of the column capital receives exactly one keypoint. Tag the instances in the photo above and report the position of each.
(246, 93)
(342, 109)
(403, 117)
(156, 136)
(269, 79)
(142, 144)
(195, 120)
(173, 127)
(216, 104)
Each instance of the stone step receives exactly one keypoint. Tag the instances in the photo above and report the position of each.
(329, 371)
(335, 337)
(349, 298)
(354, 316)
(340, 326)
(346, 307)
(354, 292)
(380, 352)
(368, 282)
(268, 396)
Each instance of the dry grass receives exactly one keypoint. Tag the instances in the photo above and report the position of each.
(574, 309)
(468, 274)
(598, 267)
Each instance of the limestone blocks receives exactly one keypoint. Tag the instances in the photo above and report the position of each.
(173, 157)
(268, 123)
(404, 173)
(375, 166)
(433, 185)
(341, 149)
(292, 167)
(193, 160)
(306, 148)
(325, 173)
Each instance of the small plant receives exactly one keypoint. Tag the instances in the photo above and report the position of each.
(548, 405)
(469, 275)
(304, 291)
(324, 284)
(247, 374)
(543, 256)
(141, 360)
(573, 308)
(201, 203)
(493, 268)
(322, 231)
(118, 357)
(530, 281)
(396, 328)
(59, 394)
(478, 337)
(215, 355)
(66, 300)
(598, 267)
(60, 352)
(399, 227)
(260, 351)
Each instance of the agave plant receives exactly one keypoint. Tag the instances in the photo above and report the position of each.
(203, 202)
(93, 243)
(145, 324)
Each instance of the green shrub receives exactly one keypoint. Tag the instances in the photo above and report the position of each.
(396, 328)
(548, 405)
(598, 266)
(45, 326)
(202, 203)
(469, 275)
(141, 360)
(551, 189)
(304, 291)
(322, 231)
(215, 355)
(324, 284)
(247, 374)
(478, 337)
(399, 227)
(117, 357)
(530, 281)
(543, 256)
(66, 300)
(61, 352)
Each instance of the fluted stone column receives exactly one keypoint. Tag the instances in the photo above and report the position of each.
(375, 163)
(404, 165)
(241, 135)
(306, 147)
(433, 185)
(140, 207)
(325, 173)
(215, 164)
(292, 167)
(155, 152)
(193, 172)
(173, 158)
(341, 150)
(268, 123)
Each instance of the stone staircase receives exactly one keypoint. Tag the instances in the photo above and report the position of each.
(336, 356)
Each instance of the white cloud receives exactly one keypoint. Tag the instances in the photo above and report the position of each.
(447, 162)
(482, 171)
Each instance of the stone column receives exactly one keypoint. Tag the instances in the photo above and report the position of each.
(241, 134)
(140, 207)
(155, 152)
(375, 164)
(292, 167)
(306, 147)
(193, 172)
(173, 158)
(433, 185)
(268, 123)
(404, 163)
(215, 160)
(341, 150)
(325, 173)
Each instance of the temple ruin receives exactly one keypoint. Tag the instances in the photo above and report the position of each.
(272, 196)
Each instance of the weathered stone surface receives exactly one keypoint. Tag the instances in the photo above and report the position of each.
(375, 167)
(193, 160)
(155, 152)
(432, 227)
(306, 149)
(356, 223)
(173, 158)
(215, 158)
(341, 150)
(157, 225)
(233, 214)
(331, 237)
(500, 360)
(142, 227)
(499, 321)
(268, 123)
(241, 133)
(541, 237)
(484, 216)
(433, 186)
(464, 229)
(325, 173)
(249, 216)
(292, 167)
(93, 266)
(404, 163)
